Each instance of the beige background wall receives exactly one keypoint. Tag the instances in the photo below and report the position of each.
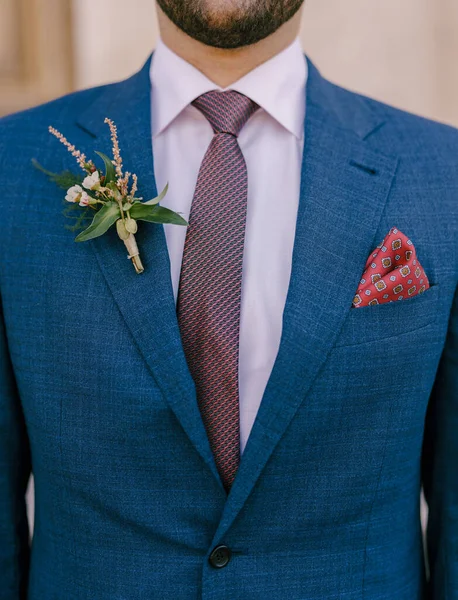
(401, 51)
(36, 52)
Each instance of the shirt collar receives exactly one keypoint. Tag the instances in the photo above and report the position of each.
(277, 85)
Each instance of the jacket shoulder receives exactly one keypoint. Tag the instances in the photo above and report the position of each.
(25, 137)
(406, 132)
(32, 124)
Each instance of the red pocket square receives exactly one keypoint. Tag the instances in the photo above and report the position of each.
(392, 272)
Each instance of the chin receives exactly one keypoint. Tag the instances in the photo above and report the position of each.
(220, 12)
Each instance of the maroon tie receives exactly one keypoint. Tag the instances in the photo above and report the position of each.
(211, 276)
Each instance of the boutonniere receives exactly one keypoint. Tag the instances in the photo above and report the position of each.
(111, 195)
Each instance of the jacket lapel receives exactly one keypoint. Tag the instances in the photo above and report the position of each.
(344, 188)
(145, 301)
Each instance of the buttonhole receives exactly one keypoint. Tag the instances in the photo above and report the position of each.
(361, 167)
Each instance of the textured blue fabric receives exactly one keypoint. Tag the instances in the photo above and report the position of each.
(361, 406)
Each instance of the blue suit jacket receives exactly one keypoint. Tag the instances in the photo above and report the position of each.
(360, 409)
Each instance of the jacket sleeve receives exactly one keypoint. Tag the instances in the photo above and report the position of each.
(14, 476)
(440, 470)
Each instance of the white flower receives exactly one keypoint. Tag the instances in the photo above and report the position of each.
(92, 182)
(74, 193)
(84, 201)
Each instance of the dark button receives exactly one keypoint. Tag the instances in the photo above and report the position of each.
(220, 557)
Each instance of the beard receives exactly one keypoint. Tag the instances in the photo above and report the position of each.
(229, 23)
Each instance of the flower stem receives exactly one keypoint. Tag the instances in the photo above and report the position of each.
(134, 254)
(122, 211)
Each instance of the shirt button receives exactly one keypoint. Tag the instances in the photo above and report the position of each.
(220, 557)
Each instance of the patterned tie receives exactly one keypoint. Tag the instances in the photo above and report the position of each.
(209, 294)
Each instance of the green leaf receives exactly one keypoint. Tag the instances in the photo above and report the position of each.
(64, 180)
(158, 198)
(155, 214)
(110, 172)
(103, 220)
(81, 217)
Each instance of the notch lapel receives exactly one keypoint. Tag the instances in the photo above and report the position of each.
(344, 188)
(145, 301)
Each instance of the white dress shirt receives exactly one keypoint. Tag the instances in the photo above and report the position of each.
(272, 144)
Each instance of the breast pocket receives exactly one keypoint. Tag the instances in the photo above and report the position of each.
(373, 323)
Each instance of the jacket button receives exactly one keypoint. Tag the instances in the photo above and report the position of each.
(220, 557)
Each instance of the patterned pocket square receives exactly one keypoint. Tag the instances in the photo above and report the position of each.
(392, 272)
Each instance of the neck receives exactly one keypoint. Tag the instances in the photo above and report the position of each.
(222, 66)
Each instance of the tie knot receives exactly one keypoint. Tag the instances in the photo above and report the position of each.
(227, 112)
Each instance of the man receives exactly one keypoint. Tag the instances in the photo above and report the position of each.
(248, 418)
